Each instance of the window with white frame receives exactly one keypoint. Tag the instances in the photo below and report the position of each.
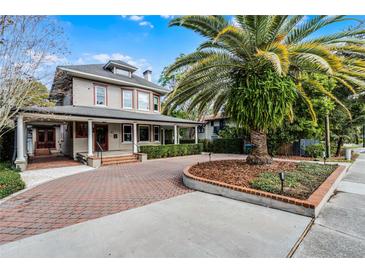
(156, 100)
(156, 133)
(143, 101)
(127, 133)
(144, 133)
(100, 95)
(127, 99)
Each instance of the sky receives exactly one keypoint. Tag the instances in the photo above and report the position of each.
(143, 41)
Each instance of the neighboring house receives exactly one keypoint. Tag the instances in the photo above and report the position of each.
(212, 125)
(99, 107)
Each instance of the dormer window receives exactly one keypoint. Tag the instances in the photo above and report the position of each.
(100, 95)
(123, 72)
(120, 67)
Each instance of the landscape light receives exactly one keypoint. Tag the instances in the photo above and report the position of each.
(282, 179)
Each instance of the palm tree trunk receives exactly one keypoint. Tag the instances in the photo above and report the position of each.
(260, 155)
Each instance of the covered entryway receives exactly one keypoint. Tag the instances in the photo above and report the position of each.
(101, 137)
(45, 140)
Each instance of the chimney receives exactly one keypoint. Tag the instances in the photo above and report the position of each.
(148, 75)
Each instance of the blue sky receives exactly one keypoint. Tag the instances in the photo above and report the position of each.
(144, 41)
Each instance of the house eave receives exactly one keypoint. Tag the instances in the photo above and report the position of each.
(110, 80)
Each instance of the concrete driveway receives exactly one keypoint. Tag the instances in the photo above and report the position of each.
(339, 230)
(190, 225)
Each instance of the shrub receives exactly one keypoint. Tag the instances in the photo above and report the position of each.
(315, 150)
(10, 180)
(223, 146)
(163, 151)
(186, 141)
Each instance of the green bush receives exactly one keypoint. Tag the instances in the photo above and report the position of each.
(223, 146)
(10, 180)
(314, 151)
(163, 151)
(186, 141)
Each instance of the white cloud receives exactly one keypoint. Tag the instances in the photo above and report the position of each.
(146, 24)
(140, 19)
(167, 16)
(136, 18)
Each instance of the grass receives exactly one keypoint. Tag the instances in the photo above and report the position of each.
(10, 180)
(299, 183)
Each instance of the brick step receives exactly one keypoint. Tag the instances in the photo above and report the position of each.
(119, 162)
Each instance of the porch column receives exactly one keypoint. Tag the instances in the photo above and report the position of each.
(196, 134)
(89, 138)
(176, 141)
(135, 145)
(20, 140)
(163, 136)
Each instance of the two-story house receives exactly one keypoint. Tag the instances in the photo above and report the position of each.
(211, 125)
(100, 107)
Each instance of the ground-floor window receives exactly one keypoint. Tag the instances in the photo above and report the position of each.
(144, 133)
(127, 133)
(156, 133)
(81, 130)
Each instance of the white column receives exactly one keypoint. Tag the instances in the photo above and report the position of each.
(135, 145)
(196, 134)
(176, 141)
(20, 139)
(163, 136)
(89, 138)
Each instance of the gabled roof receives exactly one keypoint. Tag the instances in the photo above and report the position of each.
(120, 64)
(100, 112)
(99, 73)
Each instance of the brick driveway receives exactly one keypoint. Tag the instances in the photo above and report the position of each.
(93, 194)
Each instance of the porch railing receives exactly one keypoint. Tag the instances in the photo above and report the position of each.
(99, 151)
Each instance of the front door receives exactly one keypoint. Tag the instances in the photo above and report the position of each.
(46, 138)
(101, 136)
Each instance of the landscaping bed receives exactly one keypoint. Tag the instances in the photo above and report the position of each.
(10, 180)
(301, 179)
(307, 186)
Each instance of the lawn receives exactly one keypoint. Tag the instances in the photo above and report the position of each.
(10, 180)
(301, 179)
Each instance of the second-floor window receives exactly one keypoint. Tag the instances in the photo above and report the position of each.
(127, 99)
(100, 95)
(143, 100)
(156, 100)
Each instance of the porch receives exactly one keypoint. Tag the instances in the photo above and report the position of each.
(39, 134)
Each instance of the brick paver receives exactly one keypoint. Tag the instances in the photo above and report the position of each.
(93, 194)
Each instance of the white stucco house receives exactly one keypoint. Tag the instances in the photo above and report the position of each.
(211, 125)
(100, 107)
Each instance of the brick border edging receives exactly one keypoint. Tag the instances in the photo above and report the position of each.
(317, 198)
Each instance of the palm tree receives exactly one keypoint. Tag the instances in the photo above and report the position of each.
(254, 67)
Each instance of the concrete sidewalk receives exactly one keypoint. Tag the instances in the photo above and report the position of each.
(339, 230)
(190, 225)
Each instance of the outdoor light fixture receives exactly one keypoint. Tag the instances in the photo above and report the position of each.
(324, 157)
(282, 179)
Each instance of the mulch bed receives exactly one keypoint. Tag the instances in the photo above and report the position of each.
(237, 172)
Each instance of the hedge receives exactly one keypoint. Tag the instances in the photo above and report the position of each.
(10, 180)
(163, 151)
(221, 145)
(315, 150)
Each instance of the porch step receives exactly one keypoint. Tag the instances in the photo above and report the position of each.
(116, 160)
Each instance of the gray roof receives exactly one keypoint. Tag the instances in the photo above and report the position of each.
(100, 112)
(119, 63)
(93, 71)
